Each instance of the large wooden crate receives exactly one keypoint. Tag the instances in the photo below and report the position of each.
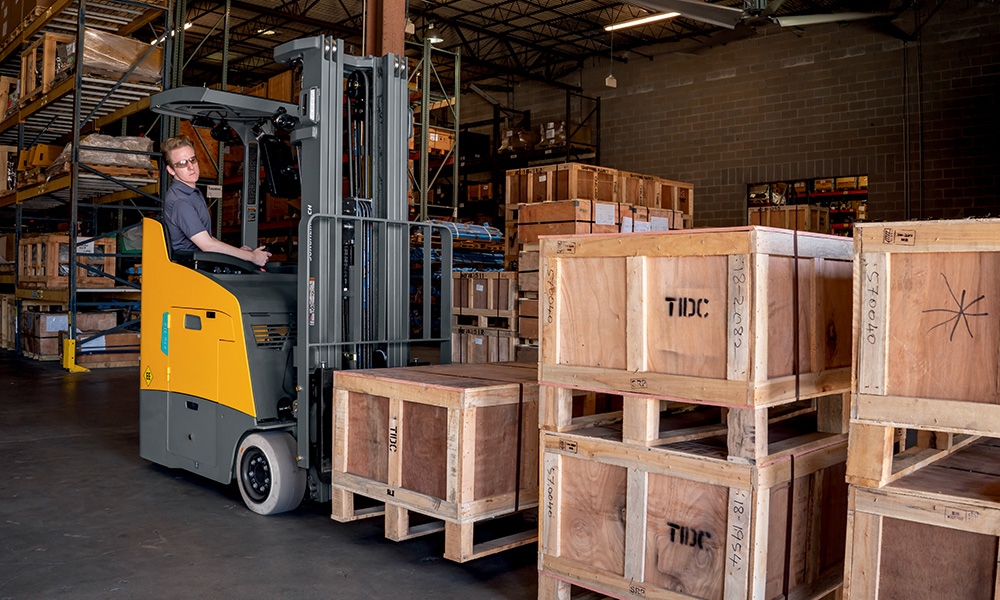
(931, 534)
(685, 522)
(457, 443)
(566, 218)
(802, 217)
(679, 196)
(702, 315)
(927, 345)
(44, 262)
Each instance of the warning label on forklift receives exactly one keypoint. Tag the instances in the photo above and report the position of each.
(312, 300)
(147, 376)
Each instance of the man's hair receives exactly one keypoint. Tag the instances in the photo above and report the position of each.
(178, 141)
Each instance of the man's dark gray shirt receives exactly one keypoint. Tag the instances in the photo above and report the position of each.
(186, 214)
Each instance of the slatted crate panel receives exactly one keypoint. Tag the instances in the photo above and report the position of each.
(567, 181)
(700, 316)
(932, 534)
(44, 262)
(678, 196)
(927, 345)
(38, 64)
(685, 523)
(441, 441)
(8, 321)
(880, 455)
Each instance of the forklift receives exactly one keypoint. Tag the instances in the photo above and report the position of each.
(237, 361)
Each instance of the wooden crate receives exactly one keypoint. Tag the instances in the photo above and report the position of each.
(8, 163)
(684, 522)
(527, 301)
(8, 85)
(701, 316)
(8, 321)
(880, 455)
(510, 245)
(45, 262)
(441, 441)
(932, 534)
(567, 181)
(477, 345)
(486, 293)
(566, 217)
(801, 217)
(638, 190)
(38, 64)
(677, 195)
(123, 346)
(927, 348)
(635, 219)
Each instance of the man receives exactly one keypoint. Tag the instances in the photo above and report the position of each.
(185, 211)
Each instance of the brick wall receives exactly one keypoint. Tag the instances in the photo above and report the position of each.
(829, 100)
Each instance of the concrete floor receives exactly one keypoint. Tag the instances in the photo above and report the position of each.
(82, 516)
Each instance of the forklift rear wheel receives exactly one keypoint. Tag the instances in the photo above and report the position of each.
(270, 481)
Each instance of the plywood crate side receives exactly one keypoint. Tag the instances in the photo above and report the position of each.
(932, 533)
(923, 331)
(658, 524)
(721, 302)
(8, 321)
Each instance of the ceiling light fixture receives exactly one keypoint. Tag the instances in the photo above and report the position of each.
(611, 82)
(266, 31)
(432, 35)
(188, 25)
(642, 21)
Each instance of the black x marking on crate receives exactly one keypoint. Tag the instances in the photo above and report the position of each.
(959, 315)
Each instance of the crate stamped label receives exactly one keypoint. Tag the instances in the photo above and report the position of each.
(873, 322)
(902, 237)
(738, 354)
(738, 538)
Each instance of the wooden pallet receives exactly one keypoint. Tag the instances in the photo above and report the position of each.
(441, 441)
(111, 170)
(880, 455)
(485, 293)
(680, 523)
(722, 303)
(931, 534)
(652, 422)
(926, 346)
(506, 324)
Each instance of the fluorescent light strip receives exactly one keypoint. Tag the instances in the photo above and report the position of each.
(642, 21)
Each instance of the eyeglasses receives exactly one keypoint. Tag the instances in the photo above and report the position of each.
(188, 161)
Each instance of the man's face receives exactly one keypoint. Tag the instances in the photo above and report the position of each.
(183, 165)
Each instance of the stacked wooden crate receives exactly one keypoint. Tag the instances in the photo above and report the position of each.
(456, 443)
(572, 198)
(8, 321)
(803, 217)
(723, 474)
(44, 262)
(484, 316)
(924, 516)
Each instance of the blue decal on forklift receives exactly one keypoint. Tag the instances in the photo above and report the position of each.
(165, 334)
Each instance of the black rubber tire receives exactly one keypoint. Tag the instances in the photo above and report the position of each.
(269, 480)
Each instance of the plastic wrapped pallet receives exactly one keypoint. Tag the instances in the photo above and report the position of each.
(118, 159)
(112, 55)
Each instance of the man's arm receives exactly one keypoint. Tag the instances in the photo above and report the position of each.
(207, 243)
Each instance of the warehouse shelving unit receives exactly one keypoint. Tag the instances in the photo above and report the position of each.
(64, 112)
(845, 197)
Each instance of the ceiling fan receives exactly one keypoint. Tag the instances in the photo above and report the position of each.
(753, 14)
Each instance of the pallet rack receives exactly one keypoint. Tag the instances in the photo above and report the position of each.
(63, 112)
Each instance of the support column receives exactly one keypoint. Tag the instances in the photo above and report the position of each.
(385, 21)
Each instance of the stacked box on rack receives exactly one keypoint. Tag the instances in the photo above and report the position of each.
(8, 94)
(723, 475)
(110, 350)
(8, 169)
(484, 316)
(527, 304)
(927, 354)
(457, 443)
(44, 262)
(40, 331)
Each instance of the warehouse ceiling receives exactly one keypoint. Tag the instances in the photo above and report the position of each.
(542, 40)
